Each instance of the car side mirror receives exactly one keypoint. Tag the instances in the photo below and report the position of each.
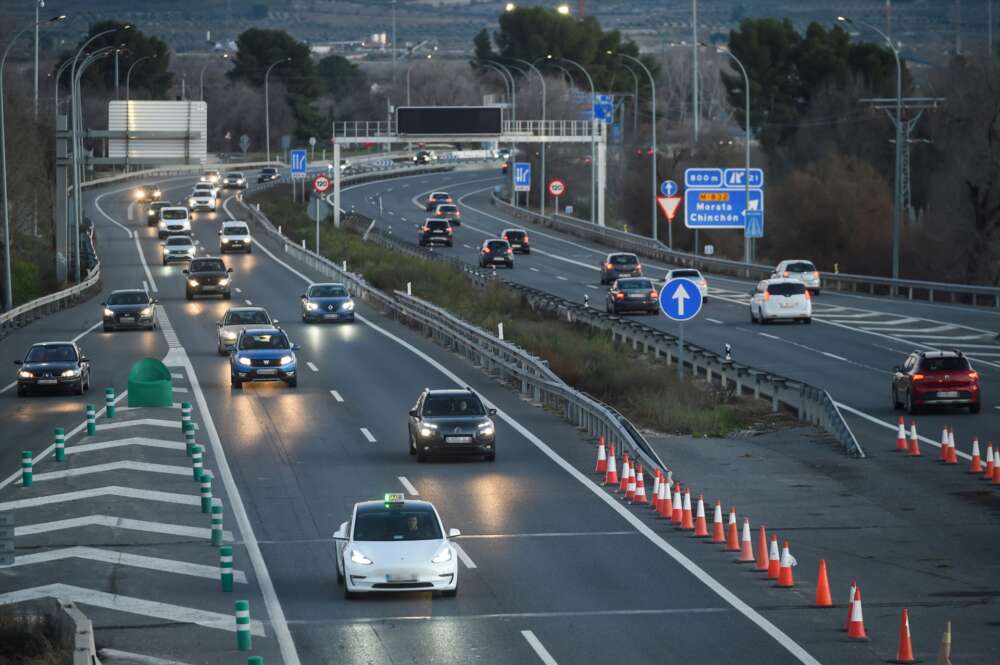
(296, 347)
(413, 412)
(492, 412)
(84, 359)
(275, 321)
(154, 301)
(454, 533)
(218, 324)
(229, 270)
(339, 534)
(18, 362)
(185, 272)
(303, 297)
(220, 233)
(897, 368)
(104, 304)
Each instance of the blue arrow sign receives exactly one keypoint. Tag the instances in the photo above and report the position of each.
(737, 178)
(668, 188)
(755, 225)
(701, 177)
(298, 157)
(680, 299)
(522, 176)
(720, 208)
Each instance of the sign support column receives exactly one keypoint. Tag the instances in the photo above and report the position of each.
(336, 185)
(602, 165)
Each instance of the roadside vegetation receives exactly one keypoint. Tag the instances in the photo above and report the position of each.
(648, 393)
(30, 641)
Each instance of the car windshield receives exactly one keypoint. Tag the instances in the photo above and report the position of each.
(514, 235)
(685, 273)
(157, 205)
(208, 265)
(269, 171)
(259, 341)
(786, 289)
(635, 285)
(235, 230)
(51, 353)
(173, 214)
(128, 298)
(621, 259)
(389, 524)
(327, 291)
(247, 318)
(450, 405)
(440, 197)
(437, 224)
(448, 208)
(944, 364)
(801, 266)
(234, 175)
(179, 241)
(497, 245)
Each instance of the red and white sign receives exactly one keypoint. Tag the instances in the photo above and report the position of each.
(557, 187)
(321, 184)
(669, 205)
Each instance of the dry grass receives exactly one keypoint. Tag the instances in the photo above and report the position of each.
(27, 640)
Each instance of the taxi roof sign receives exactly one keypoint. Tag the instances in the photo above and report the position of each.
(394, 498)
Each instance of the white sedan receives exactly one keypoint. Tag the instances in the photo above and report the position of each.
(692, 274)
(396, 545)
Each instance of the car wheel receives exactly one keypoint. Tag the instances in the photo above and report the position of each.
(421, 456)
(221, 350)
(753, 317)
(450, 243)
(164, 262)
(974, 408)
(249, 250)
(22, 390)
(237, 384)
(106, 328)
(293, 382)
(491, 457)
(162, 235)
(450, 593)
(79, 387)
(87, 385)
(893, 398)
(340, 576)
(189, 295)
(228, 295)
(911, 408)
(350, 595)
(413, 446)
(807, 320)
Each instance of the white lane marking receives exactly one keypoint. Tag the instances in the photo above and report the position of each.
(97, 204)
(145, 266)
(120, 465)
(408, 486)
(590, 286)
(108, 490)
(131, 211)
(178, 389)
(113, 522)
(176, 375)
(336, 396)
(834, 356)
(247, 301)
(312, 367)
(769, 336)
(368, 435)
(131, 605)
(713, 320)
(132, 441)
(238, 289)
(895, 427)
(554, 534)
(465, 558)
(466, 246)
(113, 656)
(534, 269)
(714, 585)
(75, 339)
(125, 559)
(539, 649)
(562, 278)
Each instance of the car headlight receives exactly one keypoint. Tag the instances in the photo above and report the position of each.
(150, 212)
(224, 281)
(228, 334)
(311, 306)
(225, 240)
(428, 429)
(360, 559)
(487, 429)
(443, 556)
(157, 193)
(348, 306)
(193, 282)
(146, 312)
(285, 360)
(108, 312)
(25, 374)
(244, 361)
(139, 194)
(70, 372)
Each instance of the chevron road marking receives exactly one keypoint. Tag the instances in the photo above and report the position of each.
(131, 441)
(125, 559)
(110, 490)
(126, 465)
(114, 656)
(113, 522)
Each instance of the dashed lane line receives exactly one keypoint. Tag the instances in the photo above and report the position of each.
(247, 301)
(312, 367)
(713, 320)
(834, 356)
(769, 336)
(336, 396)
(368, 435)
(539, 649)
(562, 278)
(408, 486)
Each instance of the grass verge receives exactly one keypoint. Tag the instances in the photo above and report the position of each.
(30, 641)
(649, 393)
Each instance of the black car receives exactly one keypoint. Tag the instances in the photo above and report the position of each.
(451, 421)
(518, 239)
(208, 276)
(620, 265)
(633, 294)
(435, 230)
(147, 193)
(129, 308)
(153, 211)
(423, 157)
(53, 365)
(496, 251)
(268, 174)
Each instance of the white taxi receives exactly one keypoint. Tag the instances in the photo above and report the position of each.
(396, 545)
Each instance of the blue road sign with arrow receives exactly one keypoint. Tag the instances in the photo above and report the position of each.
(755, 225)
(298, 158)
(668, 188)
(522, 176)
(680, 299)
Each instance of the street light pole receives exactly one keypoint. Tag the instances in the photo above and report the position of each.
(746, 172)
(635, 100)
(593, 141)
(267, 106)
(117, 52)
(392, 3)
(652, 98)
(541, 182)
(694, 56)
(429, 56)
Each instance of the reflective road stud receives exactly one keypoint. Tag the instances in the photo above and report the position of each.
(243, 637)
(196, 463)
(26, 468)
(60, 441)
(226, 577)
(185, 414)
(216, 526)
(91, 420)
(206, 492)
(109, 403)
(189, 437)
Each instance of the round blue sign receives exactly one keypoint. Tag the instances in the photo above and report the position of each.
(680, 299)
(668, 188)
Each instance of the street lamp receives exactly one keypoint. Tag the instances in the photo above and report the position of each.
(429, 56)
(652, 101)
(201, 77)
(509, 7)
(541, 193)
(128, 74)
(8, 288)
(563, 9)
(593, 138)
(746, 173)
(897, 189)
(267, 105)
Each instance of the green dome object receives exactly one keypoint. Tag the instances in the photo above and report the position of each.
(149, 384)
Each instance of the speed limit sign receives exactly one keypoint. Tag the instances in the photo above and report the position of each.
(557, 187)
(321, 184)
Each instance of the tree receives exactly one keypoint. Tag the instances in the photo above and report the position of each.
(482, 46)
(340, 77)
(153, 81)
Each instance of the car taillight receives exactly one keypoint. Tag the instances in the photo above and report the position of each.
(786, 274)
(619, 296)
(510, 250)
(486, 250)
(974, 376)
(449, 200)
(438, 213)
(458, 213)
(653, 294)
(767, 295)
(808, 295)
(638, 266)
(425, 229)
(918, 377)
(525, 240)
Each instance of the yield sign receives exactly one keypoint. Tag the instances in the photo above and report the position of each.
(669, 205)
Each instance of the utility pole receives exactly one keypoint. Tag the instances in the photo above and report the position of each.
(393, 4)
(958, 27)
(694, 55)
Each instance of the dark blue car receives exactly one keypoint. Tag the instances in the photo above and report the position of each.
(128, 308)
(327, 302)
(263, 354)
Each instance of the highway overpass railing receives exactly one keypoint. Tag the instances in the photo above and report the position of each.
(911, 289)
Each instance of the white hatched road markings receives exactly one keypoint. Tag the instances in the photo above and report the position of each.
(121, 465)
(238, 289)
(336, 396)
(312, 367)
(112, 656)
(119, 603)
(408, 486)
(131, 211)
(562, 278)
(167, 328)
(125, 559)
(108, 490)
(368, 435)
(248, 301)
(113, 522)
(539, 649)
(463, 557)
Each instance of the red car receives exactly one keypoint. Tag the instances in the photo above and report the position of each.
(936, 378)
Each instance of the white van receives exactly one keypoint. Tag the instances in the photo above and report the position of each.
(234, 236)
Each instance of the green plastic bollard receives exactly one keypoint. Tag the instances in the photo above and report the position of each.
(26, 468)
(216, 525)
(255, 660)
(189, 437)
(243, 638)
(185, 414)
(196, 467)
(109, 403)
(91, 420)
(60, 442)
(206, 492)
(226, 568)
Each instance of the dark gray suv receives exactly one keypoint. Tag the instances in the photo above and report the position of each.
(451, 421)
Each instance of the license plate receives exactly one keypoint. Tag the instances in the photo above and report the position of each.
(948, 393)
(267, 371)
(458, 439)
(126, 319)
(515, 245)
(401, 577)
(209, 287)
(331, 316)
(47, 382)
(636, 296)
(438, 233)
(788, 305)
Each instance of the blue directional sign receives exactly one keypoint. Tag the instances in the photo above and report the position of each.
(298, 157)
(701, 177)
(755, 225)
(680, 299)
(737, 178)
(668, 188)
(522, 176)
(604, 108)
(720, 208)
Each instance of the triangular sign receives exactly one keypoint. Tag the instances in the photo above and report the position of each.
(669, 205)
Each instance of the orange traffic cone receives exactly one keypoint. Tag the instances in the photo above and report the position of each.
(623, 485)
(996, 466)
(850, 606)
(904, 652)
(988, 472)
(952, 453)
(687, 519)
(732, 537)
(785, 578)
(943, 454)
(640, 488)
(856, 630)
(718, 531)
(656, 490)
(976, 466)
(700, 524)
(762, 550)
(773, 559)
(901, 436)
(746, 545)
(611, 477)
(602, 457)
(677, 506)
(823, 598)
(944, 649)
(630, 486)
(664, 508)
(914, 450)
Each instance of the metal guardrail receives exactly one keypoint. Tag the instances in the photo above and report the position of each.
(986, 296)
(24, 314)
